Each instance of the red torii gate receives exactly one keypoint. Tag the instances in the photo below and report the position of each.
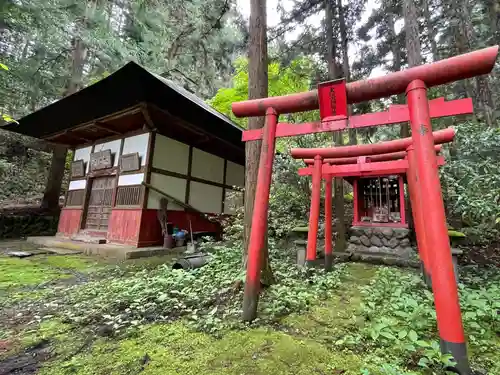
(332, 98)
(367, 165)
(371, 158)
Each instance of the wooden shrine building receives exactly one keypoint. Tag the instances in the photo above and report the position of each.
(136, 135)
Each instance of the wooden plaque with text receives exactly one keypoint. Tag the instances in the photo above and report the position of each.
(78, 168)
(130, 162)
(101, 160)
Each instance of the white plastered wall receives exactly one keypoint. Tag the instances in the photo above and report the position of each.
(173, 156)
(77, 185)
(139, 144)
(130, 179)
(173, 186)
(170, 155)
(207, 166)
(83, 154)
(206, 198)
(235, 174)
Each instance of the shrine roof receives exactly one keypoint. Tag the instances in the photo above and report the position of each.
(134, 99)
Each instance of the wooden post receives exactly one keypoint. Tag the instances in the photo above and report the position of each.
(449, 318)
(355, 195)
(312, 236)
(328, 224)
(258, 230)
(402, 205)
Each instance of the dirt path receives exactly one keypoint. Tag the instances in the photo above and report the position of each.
(28, 361)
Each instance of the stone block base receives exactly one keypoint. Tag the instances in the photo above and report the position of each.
(380, 241)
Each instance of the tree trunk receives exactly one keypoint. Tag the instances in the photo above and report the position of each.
(50, 199)
(431, 32)
(39, 56)
(26, 48)
(395, 49)
(343, 39)
(413, 48)
(494, 14)
(78, 56)
(333, 72)
(338, 140)
(414, 51)
(338, 184)
(257, 88)
(484, 96)
(452, 12)
(464, 36)
(345, 59)
(482, 93)
(412, 33)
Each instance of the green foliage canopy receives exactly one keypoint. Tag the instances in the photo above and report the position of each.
(296, 77)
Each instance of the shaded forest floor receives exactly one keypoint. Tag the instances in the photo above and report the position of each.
(365, 325)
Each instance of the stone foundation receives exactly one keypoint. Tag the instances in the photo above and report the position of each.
(381, 241)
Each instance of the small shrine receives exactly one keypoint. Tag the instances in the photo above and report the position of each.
(379, 201)
(379, 224)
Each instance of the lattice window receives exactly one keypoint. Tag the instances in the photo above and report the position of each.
(75, 198)
(129, 195)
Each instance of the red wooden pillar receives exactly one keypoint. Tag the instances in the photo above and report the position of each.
(402, 208)
(355, 197)
(312, 235)
(449, 319)
(418, 215)
(328, 224)
(259, 218)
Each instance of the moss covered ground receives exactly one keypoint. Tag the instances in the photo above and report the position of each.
(312, 341)
(176, 349)
(301, 344)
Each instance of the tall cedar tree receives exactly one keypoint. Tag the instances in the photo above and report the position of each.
(344, 42)
(413, 47)
(338, 139)
(257, 88)
(431, 29)
(462, 28)
(78, 58)
(55, 47)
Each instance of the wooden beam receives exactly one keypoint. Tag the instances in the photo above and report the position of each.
(174, 200)
(149, 167)
(224, 188)
(113, 116)
(205, 139)
(54, 140)
(178, 120)
(194, 129)
(188, 177)
(104, 127)
(117, 177)
(71, 135)
(147, 117)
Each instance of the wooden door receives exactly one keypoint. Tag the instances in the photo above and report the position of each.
(100, 203)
